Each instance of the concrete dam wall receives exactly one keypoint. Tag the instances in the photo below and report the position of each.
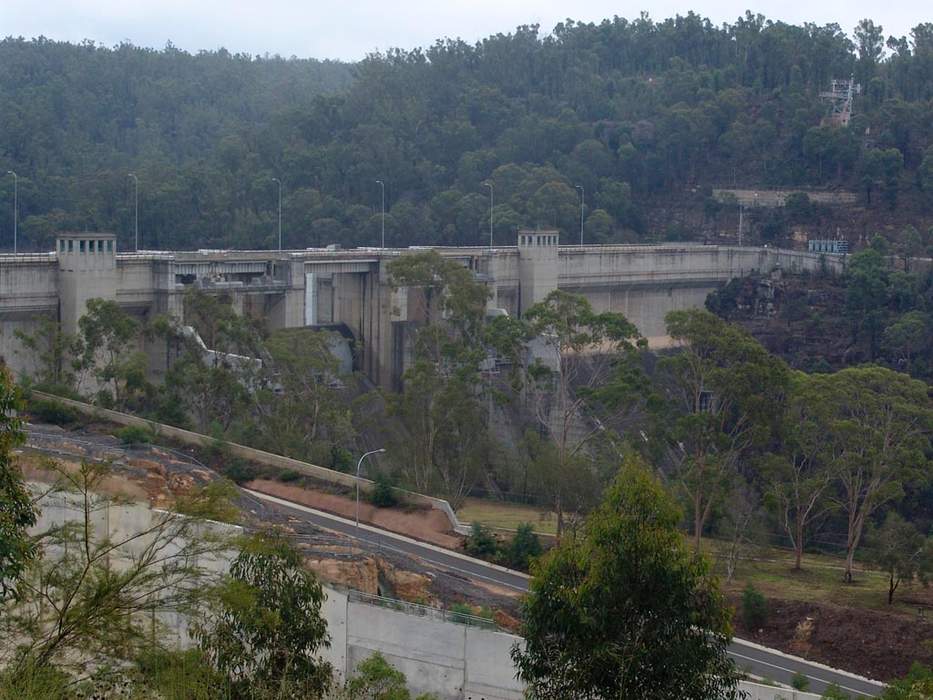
(351, 288)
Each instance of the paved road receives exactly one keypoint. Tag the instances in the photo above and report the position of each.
(753, 658)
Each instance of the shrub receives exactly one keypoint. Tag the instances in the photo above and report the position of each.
(134, 435)
(383, 493)
(181, 675)
(799, 682)
(289, 475)
(481, 542)
(54, 412)
(834, 692)
(240, 471)
(524, 547)
(754, 608)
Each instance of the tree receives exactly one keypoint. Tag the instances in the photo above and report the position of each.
(799, 476)
(524, 548)
(902, 552)
(626, 611)
(720, 391)
(54, 352)
(866, 295)
(17, 511)
(107, 335)
(440, 407)
(93, 596)
(297, 406)
(876, 435)
(570, 388)
(266, 629)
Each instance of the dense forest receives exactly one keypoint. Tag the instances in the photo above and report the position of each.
(643, 116)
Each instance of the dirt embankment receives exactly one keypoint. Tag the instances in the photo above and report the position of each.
(871, 643)
(424, 524)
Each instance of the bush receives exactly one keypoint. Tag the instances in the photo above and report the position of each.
(289, 475)
(481, 543)
(524, 547)
(240, 471)
(754, 608)
(54, 412)
(134, 435)
(383, 493)
(799, 682)
(181, 675)
(834, 692)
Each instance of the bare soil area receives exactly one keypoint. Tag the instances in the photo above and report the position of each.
(874, 644)
(424, 524)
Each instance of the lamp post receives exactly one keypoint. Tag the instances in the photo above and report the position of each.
(383, 186)
(582, 197)
(489, 185)
(279, 183)
(135, 211)
(15, 207)
(358, 467)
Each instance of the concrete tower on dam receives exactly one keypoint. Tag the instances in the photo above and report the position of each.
(351, 288)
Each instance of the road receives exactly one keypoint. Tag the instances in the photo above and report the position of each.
(760, 661)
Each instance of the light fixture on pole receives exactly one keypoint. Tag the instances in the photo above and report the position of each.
(135, 211)
(383, 186)
(358, 467)
(15, 207)
(279, 183)
(582, 197)
(489, 185)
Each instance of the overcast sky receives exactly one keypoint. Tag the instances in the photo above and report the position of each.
(348, 29)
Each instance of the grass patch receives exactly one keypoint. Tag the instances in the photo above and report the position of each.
(507, 515)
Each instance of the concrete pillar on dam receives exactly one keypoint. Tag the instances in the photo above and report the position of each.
(537, 266)
(87, 269)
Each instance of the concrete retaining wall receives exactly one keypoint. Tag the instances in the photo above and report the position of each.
(453, 661)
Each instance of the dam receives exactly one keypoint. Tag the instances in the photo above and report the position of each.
(327, 287)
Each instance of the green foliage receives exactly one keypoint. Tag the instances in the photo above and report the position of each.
(524, 548)
(240, 471)
(216, 501)
(134, 435)
(77, 611)
(754, 608)
(597, 599)
(31, 682)
(265, 629)
(834, 692)
(901, 551)
(181, 675)
(481, 542)
(54, 412)
(106, 341)
(376, 679)
(916, 685)
(383, 493)
(17, 512)
(799, 682)
(289, 475)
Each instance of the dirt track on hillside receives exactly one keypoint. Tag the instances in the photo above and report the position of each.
(424, 524)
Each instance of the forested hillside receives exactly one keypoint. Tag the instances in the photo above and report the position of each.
(645, 116)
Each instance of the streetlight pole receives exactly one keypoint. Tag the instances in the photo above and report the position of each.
(135, 211)
(279, 183)
(358, 466)
(582, 197)
(15, 207)
(489, 185)
(383, 186)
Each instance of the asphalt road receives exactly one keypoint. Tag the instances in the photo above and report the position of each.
(750, 657)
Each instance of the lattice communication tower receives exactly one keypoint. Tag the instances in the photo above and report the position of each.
(840, 97)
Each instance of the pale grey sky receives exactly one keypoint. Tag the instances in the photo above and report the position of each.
(348, 30)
